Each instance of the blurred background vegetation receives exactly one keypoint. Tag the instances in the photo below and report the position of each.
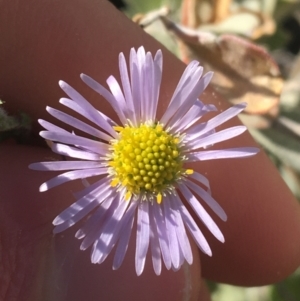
(253, 48)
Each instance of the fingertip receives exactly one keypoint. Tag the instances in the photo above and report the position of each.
(263, 229)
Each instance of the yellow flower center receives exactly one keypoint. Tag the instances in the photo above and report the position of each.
(146, 160)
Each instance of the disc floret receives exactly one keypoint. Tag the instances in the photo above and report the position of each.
(146, 160)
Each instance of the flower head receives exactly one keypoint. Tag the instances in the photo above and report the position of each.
(140, 164)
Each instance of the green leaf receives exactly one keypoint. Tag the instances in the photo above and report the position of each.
(287, 290)
(285, 147)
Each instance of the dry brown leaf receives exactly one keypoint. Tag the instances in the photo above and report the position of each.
(244, 72)
(221, 10)
(221, 16)
(197, 12)
(147, 19)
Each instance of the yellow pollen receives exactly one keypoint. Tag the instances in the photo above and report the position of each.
(159, 198)
(118, 128)
(114, 182)
(128, 195)
(189, 171)
(146, 160)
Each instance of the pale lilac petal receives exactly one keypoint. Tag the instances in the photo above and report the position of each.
(89, 110)
(74, 152)
(135, 84)
(111, 230)
(156, 254)
(123, 245)
(175, 269)
(180, 95)
(201, 179)
(171, 230)
(93, 226)
(106, 94)
(126, 86)
(141, 66)
(197, 111)
(208, 199)
(162, 234)
(147, 77)
(92, 236)
(187, 139)
(90, 187)
(68, 138)
(190, 68)
(157, 64)
(154, 243)
(64, 165)
(217, 137)
(142, 237)
(51, 127)
(106, 121)
(192, 227)
(191, 98)
(181, 257)
(119, 97)
(116, 91)
(111, 122)
(141, 56)
(181, 234)
(126, 224)
(77, 214)
(83, 202)
(78, 124)
(72, 175)
(85, 183)
(201, 212)
(239, 152)
(200, 129)
(99, 246)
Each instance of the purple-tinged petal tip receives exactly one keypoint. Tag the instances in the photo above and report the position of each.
(43, 187)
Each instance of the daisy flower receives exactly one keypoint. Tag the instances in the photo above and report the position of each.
(139, 162)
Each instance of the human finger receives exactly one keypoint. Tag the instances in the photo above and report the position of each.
(64, 53)
(39, 266)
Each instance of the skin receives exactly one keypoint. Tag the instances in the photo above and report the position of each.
(46, 41)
